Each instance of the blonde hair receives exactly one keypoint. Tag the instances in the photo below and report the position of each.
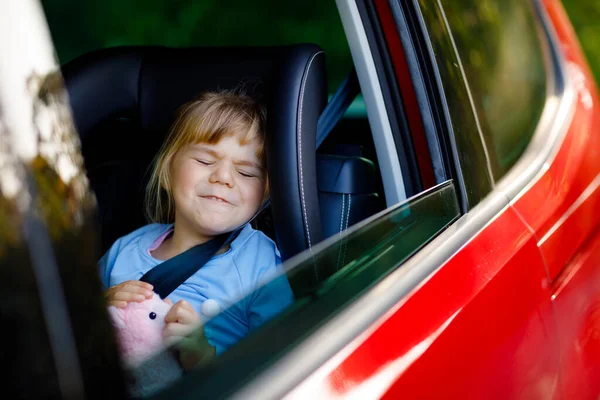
(207, 119)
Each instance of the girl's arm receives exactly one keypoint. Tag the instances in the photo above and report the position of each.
(268, 301)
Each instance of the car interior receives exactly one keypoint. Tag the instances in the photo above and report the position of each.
(124, 100)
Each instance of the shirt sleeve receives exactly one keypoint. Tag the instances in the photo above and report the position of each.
(269, 290)
(107, 263)
(268, 301)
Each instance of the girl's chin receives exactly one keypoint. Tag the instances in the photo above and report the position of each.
(219, 228)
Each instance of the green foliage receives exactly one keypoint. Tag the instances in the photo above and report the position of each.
(585, 16)
(81, 26)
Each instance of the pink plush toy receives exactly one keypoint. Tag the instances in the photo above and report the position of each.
(139, 329)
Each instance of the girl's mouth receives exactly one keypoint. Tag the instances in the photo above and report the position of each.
(215, 198)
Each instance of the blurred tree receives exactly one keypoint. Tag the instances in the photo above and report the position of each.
(585, 16)
(78, 27)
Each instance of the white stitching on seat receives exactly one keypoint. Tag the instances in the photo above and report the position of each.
(342, 216)
(348, 215)
(347, 221)
(341, 245)
(300, 148)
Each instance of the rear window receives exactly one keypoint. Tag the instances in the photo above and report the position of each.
(501, 57)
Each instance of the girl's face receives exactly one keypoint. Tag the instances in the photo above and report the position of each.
(217, 187)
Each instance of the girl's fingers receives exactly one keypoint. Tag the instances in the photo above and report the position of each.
(171, 340)
(132, 287)
(182, 316)
(144, 285)
(183, 313)
(118, 304)
(127, 296)
(176, 330)
(136, 291)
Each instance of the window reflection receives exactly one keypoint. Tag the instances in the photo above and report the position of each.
(13, 196)
(57, 168)
(64, 212)
(501, 57)
(471, 152)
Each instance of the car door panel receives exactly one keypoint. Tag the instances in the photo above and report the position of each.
(500, 342)
(576, 302)
(562, 207)
(558, 205)
(481, 326)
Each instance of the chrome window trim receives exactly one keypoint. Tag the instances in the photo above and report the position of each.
(343, 332)
(387, 157)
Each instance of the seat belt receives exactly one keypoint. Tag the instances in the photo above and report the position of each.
(170, 274)
(337, 106)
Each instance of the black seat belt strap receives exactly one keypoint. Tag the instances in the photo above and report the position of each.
(170, 274)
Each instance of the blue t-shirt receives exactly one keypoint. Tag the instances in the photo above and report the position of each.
(232, 279)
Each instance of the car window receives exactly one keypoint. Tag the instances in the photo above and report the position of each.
(498, 77)
(348, 267)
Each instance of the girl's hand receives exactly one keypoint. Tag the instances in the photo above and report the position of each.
(185, 330)
(119, 295)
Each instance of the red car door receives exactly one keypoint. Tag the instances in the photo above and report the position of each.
(562, 209)
(513, 312)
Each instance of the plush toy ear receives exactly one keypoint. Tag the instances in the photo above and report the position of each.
(117, 315)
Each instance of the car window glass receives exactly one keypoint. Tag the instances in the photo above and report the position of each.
(25, 338)
(501, 57)
(472, 157)
(57, 337)
(348, 267)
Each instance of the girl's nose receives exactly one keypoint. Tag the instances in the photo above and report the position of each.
(221, 174)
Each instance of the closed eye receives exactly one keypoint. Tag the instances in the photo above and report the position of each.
(246, 174)
(204, 162)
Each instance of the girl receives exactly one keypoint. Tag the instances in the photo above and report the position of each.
(208, 178)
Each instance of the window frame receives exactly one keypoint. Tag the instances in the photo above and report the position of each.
(392, 174)
(429, 88)
(399, 116)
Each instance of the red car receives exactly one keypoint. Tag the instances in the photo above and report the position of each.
(442, 243)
